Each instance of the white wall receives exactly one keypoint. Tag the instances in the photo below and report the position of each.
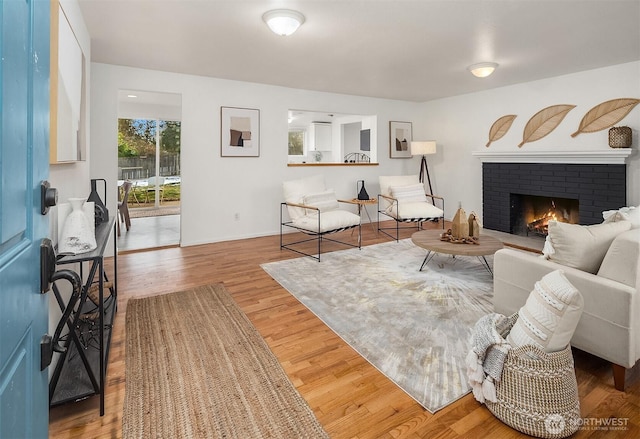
(351, 137)
(461, 125)
(128, 110)
(214, 189)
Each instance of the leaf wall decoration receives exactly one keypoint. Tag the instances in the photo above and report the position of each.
(605, 115)
(500, 128)
(543, 122)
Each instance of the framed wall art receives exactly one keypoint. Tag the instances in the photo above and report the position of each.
(239, 132)
(400, 136)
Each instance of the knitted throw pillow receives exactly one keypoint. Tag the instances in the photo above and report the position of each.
(550, 315)
(631, 214)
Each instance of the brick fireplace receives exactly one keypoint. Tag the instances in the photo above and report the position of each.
(577, 192)
(596, 187)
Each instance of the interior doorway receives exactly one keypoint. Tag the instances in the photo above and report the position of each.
(149, 127)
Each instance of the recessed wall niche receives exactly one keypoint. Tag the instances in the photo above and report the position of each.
(321, 137)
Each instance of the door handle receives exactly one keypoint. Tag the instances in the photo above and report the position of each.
(47, 264)
(48, 197)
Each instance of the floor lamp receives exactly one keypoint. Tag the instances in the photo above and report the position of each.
(424, 148)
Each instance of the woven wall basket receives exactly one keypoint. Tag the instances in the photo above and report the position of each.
(538, 397)
(620, 137)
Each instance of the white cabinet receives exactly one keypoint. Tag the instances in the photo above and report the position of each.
(320, 137)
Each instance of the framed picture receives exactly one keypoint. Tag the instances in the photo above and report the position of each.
(400, 137)
(239, 132)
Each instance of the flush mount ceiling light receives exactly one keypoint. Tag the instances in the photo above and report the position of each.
(483, 69)
(283, 21)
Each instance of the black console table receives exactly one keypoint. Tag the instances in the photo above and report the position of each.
(81, 369)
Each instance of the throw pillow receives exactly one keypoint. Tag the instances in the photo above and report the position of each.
(550, 315)
(412, 193)
(581, 247)
(621, 261)
(295, 190)
(631, 214)
(325, 201)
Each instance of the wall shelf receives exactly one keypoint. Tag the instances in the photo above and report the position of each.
(332, 164)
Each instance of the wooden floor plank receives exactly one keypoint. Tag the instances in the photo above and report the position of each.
(350, 397)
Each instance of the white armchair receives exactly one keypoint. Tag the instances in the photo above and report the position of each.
(314, 210)
(403, 199)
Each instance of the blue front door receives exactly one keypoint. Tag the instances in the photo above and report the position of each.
(24, 152)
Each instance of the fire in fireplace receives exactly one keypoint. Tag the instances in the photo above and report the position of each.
(530, 214)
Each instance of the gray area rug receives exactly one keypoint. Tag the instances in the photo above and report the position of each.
(412, 326)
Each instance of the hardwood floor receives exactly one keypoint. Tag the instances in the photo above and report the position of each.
(349, 396)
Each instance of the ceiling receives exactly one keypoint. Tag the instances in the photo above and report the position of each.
(399, 49)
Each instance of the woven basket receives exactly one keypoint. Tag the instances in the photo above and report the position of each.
(620, 137)
(538, 397)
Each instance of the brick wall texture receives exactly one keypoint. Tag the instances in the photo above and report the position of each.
(597, 187)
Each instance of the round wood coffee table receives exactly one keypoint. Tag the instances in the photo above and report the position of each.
(430, 240)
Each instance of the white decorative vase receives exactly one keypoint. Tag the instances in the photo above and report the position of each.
(77, 234)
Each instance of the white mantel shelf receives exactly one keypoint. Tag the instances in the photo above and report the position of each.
(605, 156)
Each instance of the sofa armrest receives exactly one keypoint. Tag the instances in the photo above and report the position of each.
(608, 327)
(516, 272)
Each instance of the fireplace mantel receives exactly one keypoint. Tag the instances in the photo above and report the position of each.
(605, 156)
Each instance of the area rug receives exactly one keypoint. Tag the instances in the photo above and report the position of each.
(197, 368)
(413, 326)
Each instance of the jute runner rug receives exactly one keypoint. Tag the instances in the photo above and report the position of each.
(197, 368)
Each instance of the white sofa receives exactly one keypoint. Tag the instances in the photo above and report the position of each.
(609, 327)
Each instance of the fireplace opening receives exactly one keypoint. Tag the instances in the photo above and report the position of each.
(530, 214)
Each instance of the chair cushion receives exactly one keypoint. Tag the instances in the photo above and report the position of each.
(413, 210)
(329, 221)
(581, 247)
(325, 201)
(550, 315)
(295, 191)
(411, 192)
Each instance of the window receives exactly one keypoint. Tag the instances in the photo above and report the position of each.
(297, 144)
(150, 148)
